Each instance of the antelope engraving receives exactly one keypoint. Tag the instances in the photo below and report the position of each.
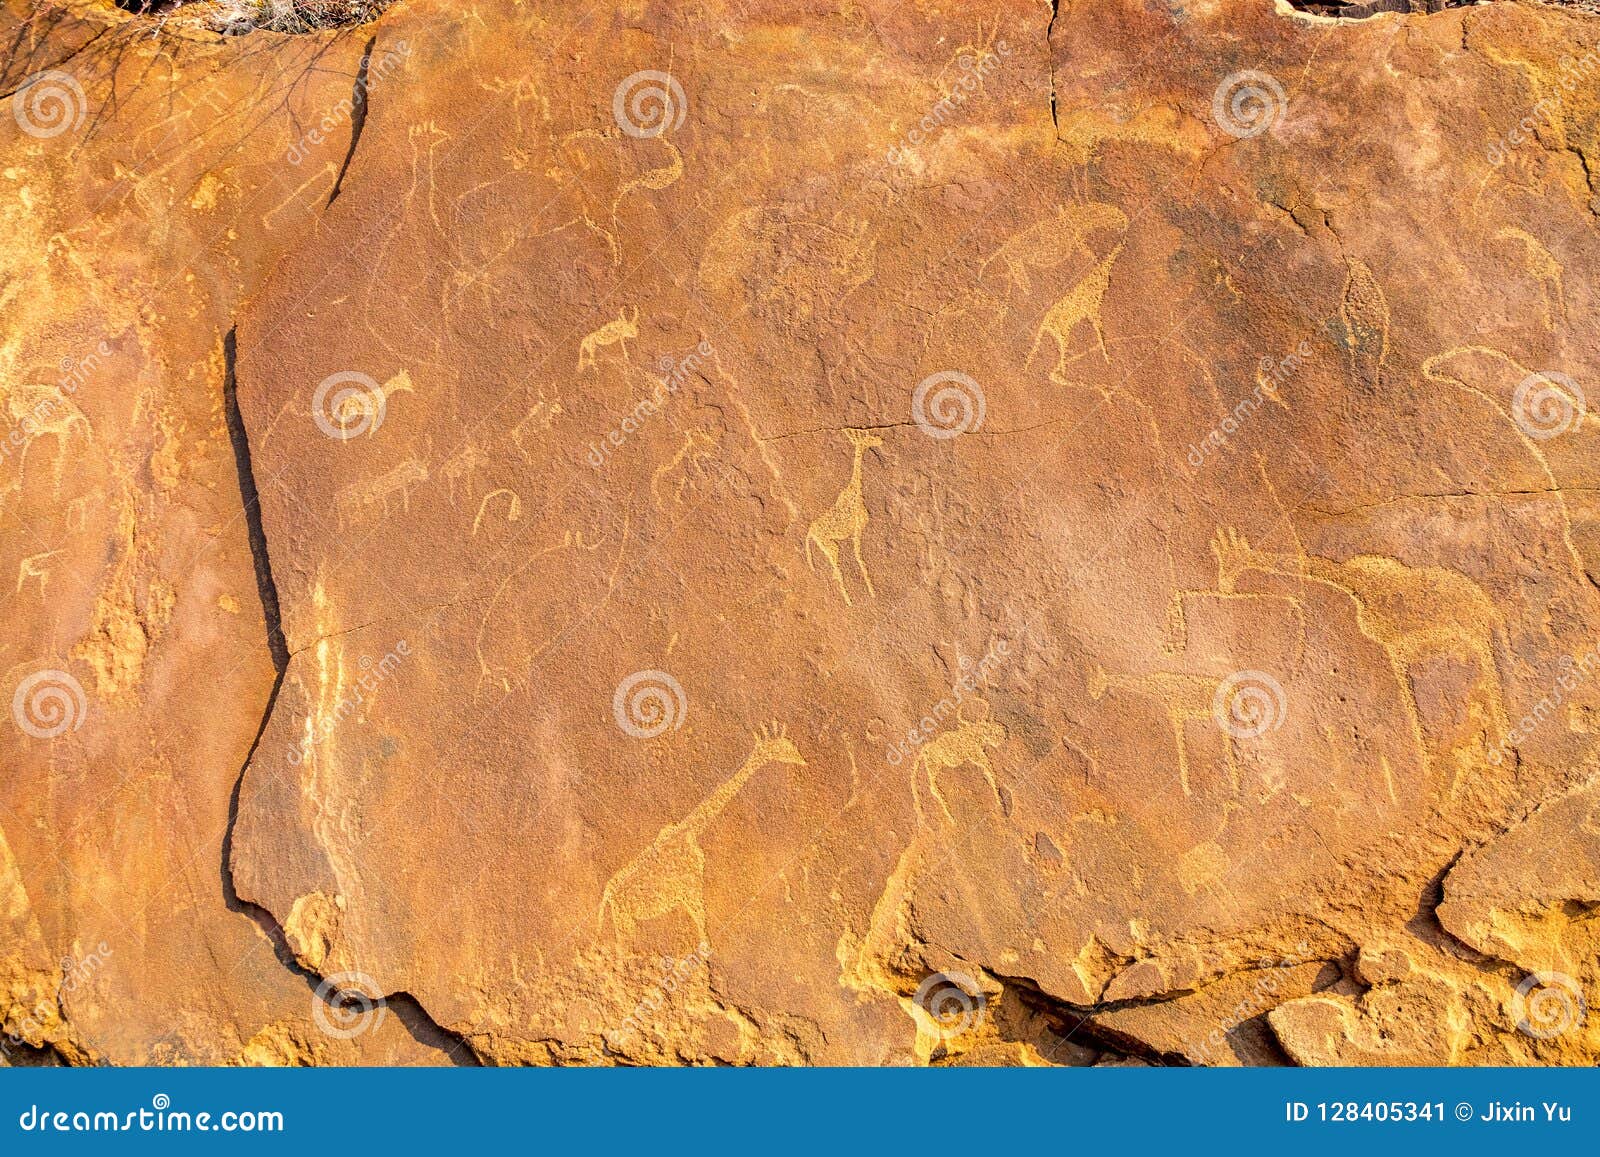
(615, 332)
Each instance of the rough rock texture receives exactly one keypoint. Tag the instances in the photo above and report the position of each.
(1107, 565)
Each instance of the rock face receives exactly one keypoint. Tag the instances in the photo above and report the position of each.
(802, 534)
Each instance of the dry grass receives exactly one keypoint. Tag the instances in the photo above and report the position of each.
(240, 16)
(295, 15)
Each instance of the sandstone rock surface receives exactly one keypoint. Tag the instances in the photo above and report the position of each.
(790, 533)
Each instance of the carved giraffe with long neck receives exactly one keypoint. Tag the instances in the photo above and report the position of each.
(846, 519)
(670, 873)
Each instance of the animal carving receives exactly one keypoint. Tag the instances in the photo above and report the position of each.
(846, 519)
(1055, 239)
(33, 567)
(617, 332)
(354, 501)
(1184, 698)
(965, 744)
(670, 873)
(41, 410)
(1414, 613)
(1081, 304)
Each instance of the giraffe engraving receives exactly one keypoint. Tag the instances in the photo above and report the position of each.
(1413, 613)
(670, 873)
(846, 519)
(1081, 304)
(962, 745)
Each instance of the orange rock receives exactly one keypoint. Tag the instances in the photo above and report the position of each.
(813, 537)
